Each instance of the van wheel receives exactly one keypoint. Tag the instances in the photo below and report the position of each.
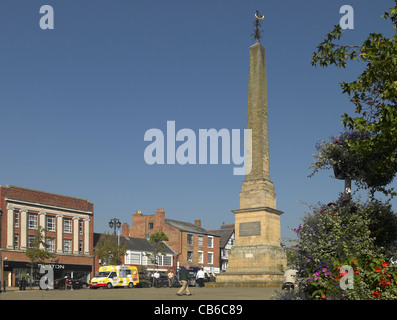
(131, 285)
(109, 285)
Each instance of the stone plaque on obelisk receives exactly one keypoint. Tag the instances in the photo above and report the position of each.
(257, 259)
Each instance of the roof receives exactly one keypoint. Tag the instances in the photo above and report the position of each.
(224, 234)
(188, 227)
(135, 244)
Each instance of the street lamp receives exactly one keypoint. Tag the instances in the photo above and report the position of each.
(115, 224)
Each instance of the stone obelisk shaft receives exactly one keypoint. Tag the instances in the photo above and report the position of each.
(257, 115)
(257, 189)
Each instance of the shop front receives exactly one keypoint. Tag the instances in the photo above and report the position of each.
(15, 271)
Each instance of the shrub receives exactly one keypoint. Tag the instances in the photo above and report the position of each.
(345, 233)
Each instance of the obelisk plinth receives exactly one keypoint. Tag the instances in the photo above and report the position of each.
(257, 259)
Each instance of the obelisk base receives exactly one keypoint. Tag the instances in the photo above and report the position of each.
(254, 266)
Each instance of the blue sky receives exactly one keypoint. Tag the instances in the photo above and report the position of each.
(76, 101)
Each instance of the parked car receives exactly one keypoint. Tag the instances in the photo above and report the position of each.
(74, 283)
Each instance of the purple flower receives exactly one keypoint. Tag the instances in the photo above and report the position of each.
(324, 270)
(308, 260)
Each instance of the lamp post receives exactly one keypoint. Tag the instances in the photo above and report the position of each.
(115, 224)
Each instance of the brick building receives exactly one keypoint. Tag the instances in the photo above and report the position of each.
(68, 220)
(191, 243)
(137, 251)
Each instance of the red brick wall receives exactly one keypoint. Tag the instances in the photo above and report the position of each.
(25, 194)
(177, 239)
(45, 198)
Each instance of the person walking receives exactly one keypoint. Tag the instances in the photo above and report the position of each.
(200, 277)
(170, 278)
(156, 277)
(184, 276)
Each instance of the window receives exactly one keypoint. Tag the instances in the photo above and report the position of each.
(146, 260)
(50, 223)
(80, 246)
(50, 245)
(150, 225)
(189, 239)
(31, 241)
(16, 241)
(81, 227)
(210, 257)
(164, 260)
(32, 221)
(190, 256)
(67, 245)
(200, 257)
(210, 242)
(167, 261)
(132, 258)
(67, 225)
(16, 219)
(200, 240)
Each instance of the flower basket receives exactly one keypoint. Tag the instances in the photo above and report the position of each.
(339, 173)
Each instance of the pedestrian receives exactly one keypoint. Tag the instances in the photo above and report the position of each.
(184, 276)
(156, 277)
(67, 282)
(170, 278)
(200, 277)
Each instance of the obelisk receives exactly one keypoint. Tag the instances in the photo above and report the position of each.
(257, 259)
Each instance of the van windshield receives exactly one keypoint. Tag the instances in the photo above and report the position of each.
(103, 274)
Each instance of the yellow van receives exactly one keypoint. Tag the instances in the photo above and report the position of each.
(115, 276)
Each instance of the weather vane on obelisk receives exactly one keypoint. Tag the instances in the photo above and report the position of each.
(257, 24)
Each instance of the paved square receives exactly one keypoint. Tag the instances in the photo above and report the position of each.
(143, 294)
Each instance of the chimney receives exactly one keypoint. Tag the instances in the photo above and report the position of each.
(160, 215)
(125, 230)
(197, 223)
